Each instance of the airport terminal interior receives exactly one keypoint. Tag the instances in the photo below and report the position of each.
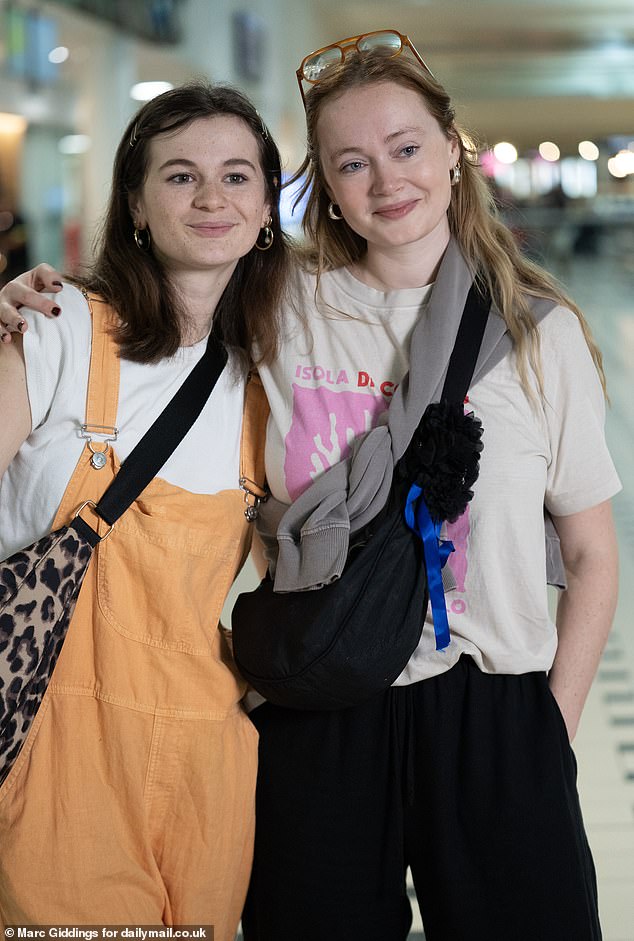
(546, 87)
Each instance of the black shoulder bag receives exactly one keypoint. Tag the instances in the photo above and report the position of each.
(336, 646)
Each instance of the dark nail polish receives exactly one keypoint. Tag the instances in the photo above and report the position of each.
(21, 325)
(56, 311)
(58, 284)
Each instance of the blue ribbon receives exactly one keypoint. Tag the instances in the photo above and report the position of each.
(436, 551)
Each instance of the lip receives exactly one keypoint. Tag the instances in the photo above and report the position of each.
(397, 210)
(212, 230)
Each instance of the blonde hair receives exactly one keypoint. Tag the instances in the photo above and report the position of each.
(486, 243)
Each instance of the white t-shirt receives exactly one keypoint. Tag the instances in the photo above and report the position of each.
(57, 354)
(327, 388)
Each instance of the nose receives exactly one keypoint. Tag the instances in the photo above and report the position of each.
(385, 180)
(209, 195)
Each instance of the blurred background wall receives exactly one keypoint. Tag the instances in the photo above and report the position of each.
(548, 87)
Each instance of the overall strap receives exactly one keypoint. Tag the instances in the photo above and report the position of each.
(102, 397)
(100, 412)
(254, 419)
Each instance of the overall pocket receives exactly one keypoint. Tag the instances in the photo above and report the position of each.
(163, 582)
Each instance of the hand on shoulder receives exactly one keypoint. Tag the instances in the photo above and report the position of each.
(28, 290)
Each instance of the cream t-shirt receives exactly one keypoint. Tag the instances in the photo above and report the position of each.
(335, 380)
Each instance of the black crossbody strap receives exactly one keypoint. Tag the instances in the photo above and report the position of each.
(164, 436)
(463, 359)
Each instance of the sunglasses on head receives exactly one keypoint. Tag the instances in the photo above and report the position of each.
(387, 42)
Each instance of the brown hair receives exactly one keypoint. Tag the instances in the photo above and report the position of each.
(487, 244)
(136, 284)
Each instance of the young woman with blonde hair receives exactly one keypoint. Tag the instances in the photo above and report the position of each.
(463, 769)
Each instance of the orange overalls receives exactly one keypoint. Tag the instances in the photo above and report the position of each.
(132, 800)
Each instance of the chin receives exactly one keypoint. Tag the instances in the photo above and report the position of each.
(407, 238)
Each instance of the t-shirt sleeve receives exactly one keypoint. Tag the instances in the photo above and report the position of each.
(56, 351)
(580, 473)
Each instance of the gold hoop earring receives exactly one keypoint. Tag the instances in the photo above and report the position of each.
(143, 239)
(335, 212)
(456, 173)
(268, 236)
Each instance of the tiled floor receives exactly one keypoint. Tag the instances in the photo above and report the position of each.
(604, 288)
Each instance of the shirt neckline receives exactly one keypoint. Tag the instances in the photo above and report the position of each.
(369, 296)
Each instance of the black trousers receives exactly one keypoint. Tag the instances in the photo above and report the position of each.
(467, 778)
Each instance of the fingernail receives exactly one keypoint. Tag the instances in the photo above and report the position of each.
(58, 284)
(21, 325)
(56, 311)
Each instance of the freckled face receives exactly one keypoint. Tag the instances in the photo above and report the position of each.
(387, 164)
(204, 196)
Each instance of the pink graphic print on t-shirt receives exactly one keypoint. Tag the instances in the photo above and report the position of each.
(458, 533)
(323, 426)
(458, 562)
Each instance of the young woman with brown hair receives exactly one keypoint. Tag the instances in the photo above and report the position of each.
(132, 800)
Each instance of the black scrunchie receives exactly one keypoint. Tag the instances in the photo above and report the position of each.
(443, 458)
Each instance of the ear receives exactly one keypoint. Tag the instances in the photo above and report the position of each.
(135, 205)
(266, 214)
(322, 182)
(454, 151)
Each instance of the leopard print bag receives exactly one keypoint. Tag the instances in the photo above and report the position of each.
(39, 587)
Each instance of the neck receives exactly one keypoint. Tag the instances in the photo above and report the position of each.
(393, 268)
(200, 293)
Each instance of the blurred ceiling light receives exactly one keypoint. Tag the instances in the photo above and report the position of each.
(145, 91)
(622, 164)
(505, 152)
(74, 144)
(588, 150)
(58, 55)
(12, 123)
(549, 151)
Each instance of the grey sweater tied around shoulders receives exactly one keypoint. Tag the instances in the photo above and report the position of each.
(306, 543)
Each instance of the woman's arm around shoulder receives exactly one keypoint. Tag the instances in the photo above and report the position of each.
(50, 360)
(16, 417)
(586, 608)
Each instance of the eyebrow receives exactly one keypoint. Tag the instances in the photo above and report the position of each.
(387, 140)
(184, 162)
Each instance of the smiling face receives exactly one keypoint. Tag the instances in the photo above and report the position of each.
(204, 196)
(387, 164)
